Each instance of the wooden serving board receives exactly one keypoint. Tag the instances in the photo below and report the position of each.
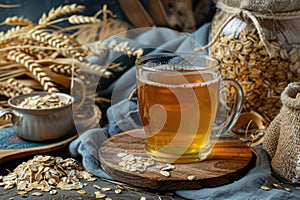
(230, 160)
(12, 154)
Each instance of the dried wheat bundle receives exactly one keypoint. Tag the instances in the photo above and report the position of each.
(119, 47)
(6, 90)
(93, 69)
(62, 43)
(44, 56)
(13, 87)
(33, 67)
(30, 45)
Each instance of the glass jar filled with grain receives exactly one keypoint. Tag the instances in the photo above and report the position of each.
(257, 42)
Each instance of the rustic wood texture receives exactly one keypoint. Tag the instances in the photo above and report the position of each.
(13, 154)
(230, 160)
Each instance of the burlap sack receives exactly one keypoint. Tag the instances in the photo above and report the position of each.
(286, 161)
(271, 136)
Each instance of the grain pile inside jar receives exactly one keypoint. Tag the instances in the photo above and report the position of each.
(258, 49)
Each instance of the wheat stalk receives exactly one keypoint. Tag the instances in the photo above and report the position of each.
(64, 69)
(12, 74)
(7, 91)
(9, 5)
(59, 11)
(64, 44)
(19, 86)
(35, 68)
(86, 67)
(104, 13)
(80, 19)
(120, 47)
(15, 20)
(97, 70)
(35, 48)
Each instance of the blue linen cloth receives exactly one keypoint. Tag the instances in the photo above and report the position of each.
(123, 115)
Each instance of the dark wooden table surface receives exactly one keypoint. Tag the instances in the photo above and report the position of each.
(127, 192)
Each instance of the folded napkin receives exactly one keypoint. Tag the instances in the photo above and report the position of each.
(123, 115)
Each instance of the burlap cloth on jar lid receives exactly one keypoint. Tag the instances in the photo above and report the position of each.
(264, 6)
(256, 10)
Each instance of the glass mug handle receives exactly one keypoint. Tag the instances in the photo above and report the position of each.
(228, 110)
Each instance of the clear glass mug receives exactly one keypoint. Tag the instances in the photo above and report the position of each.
(182, 104)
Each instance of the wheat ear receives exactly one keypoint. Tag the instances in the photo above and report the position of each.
(19, 86)
(66, 45)
(97, 69)
(7, 91)
(80, 19)
(64, 69)
(33, 67)
(59, 11)
(15, 20)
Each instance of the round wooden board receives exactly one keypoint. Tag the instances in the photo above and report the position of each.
(230, 160)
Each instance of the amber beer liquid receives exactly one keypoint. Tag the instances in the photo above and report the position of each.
(178, 111)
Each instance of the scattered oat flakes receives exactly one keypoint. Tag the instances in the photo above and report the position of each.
(168, 167)
(22, 192)
(37, 194)
(287, 189)
(92, 179)
(118, 191)
(81, 191)
(134, 163)
(277, 186)
(8, 187)
(165, 173)
(165, 170)
(53, 192)
(264, 187)
(97, 187)
(105, 189)
(99, 195)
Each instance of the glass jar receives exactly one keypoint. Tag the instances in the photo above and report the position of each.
(262, 54)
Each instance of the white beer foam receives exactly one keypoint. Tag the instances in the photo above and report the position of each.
(216, 77)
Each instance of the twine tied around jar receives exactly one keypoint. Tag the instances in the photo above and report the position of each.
(253, 16)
